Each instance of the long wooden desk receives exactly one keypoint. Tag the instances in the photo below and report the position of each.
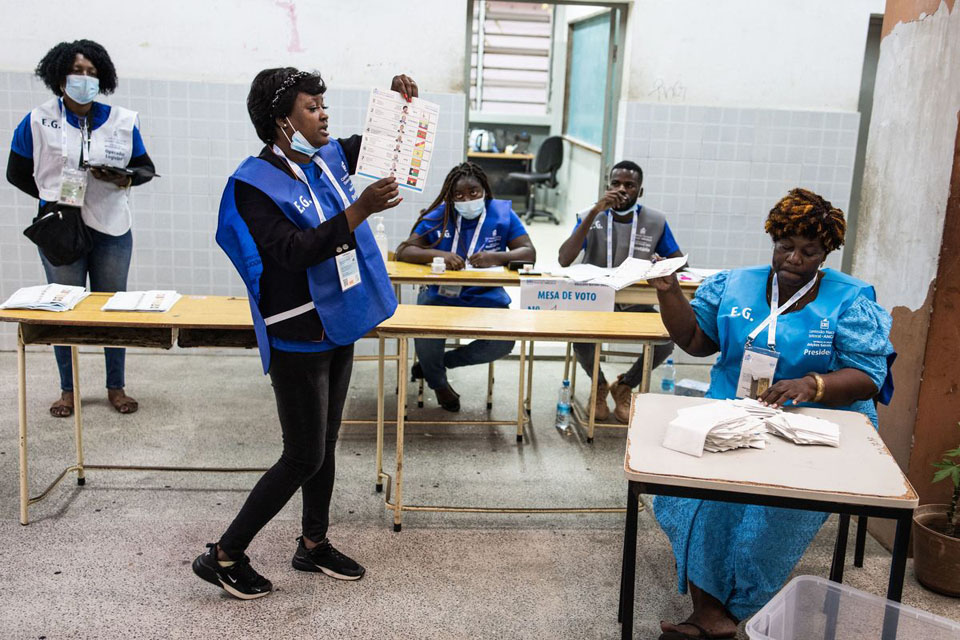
(419, 274)
(413, 321)
(859, 477)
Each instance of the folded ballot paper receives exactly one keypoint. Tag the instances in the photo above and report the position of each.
(158, 301)
(731, 424)
(630, 271)
(46, 297)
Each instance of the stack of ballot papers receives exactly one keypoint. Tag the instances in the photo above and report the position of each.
(716, 426)
(630, 271)
(46, 297)
(158, 301)
(801, 429)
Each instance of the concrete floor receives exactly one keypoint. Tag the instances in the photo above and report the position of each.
(111, 559)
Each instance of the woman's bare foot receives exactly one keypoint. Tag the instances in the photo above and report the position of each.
(121, 401)
(63, 407)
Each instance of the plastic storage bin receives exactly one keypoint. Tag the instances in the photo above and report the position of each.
(807, 606)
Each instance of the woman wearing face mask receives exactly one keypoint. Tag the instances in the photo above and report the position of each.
(465, 226)
(49, 157)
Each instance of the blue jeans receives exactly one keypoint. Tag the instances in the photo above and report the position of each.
(435, 360)
(107, 265)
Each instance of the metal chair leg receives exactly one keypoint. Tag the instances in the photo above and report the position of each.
(490, 386)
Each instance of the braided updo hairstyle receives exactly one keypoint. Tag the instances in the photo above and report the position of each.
(804, 213)
(273, 93)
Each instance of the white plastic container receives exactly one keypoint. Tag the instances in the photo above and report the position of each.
(801, 611)
(438, 265)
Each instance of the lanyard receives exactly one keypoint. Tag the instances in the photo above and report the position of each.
(476, 233)
(633, 237)
(302, 176)
(84, 136)
(776, 310)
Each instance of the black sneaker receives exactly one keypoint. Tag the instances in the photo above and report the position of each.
(416, 372)
(239, 579)
(325, 558)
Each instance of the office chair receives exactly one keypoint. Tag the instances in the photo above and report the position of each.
(545, 165)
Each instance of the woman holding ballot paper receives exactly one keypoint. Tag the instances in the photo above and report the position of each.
(297, 233)
(466, 228)
(79, 158)
(787, 334)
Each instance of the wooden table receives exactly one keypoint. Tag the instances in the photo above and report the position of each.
(859, 477)
(413, 321)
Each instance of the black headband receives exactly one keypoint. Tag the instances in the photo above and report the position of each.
(288, 82)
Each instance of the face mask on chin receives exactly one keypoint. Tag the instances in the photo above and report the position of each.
(470, 209)
(81, 89)
(299, 143)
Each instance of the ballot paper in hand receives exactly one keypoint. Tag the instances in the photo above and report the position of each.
(630, 271)
(157, 301)
(716, 426)
(46, 297)
(398, 139)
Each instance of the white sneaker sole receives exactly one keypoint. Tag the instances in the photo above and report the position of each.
(238, 594)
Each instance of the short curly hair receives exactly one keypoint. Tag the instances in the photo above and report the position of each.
(273, 93)
(804, 213)
(57, 63)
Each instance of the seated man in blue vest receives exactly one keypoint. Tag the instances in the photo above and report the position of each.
(615, 227)
(467, 227)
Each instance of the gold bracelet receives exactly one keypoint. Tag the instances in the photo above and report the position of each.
(819, 379)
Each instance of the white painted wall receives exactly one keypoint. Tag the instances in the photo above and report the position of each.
(353, 44)
(906, 178)
(752, 53)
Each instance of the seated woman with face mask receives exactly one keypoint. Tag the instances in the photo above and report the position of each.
(468, 228)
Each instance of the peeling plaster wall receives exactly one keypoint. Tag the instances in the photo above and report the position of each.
(354, 44)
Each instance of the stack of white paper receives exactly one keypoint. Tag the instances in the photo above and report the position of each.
(158, 301)
(46, 297)
(717, 426)
(630, 271)
(801, 429)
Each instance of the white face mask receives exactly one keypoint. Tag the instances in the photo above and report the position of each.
(470, 209)
(82, 89)
(299, 143)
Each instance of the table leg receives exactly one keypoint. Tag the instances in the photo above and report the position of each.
(401, 408)
(22, 407)
(898, 567)
(77, 414)
(628, 570)
(593, 392)
(522, 379)
(489, 386)
(529, 399)
(861, 542)
(380, 367)
(840, 549)
(566, 363)
(647, 368)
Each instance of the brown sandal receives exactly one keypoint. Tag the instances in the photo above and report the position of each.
(122, 402)
(60, 408)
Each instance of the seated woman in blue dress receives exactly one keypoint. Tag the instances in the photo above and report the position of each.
(468, 228)
(831, 343)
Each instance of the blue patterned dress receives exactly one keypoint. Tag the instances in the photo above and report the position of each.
(743, 554)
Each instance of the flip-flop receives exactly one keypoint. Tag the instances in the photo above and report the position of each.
(703, 634)
(57, 406)
(126, 406)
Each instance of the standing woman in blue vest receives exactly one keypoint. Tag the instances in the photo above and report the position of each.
(465, 225)
(51, 149)
(293, 227)
(829, 349)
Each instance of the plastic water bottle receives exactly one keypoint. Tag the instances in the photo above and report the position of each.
(563, 408)
(668, 384)
(380, 235)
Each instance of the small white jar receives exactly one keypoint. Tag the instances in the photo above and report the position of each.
(438, 265)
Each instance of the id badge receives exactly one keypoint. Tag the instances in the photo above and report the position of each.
(756, 371)
(348, 268)
(449, 291)
(73, 187)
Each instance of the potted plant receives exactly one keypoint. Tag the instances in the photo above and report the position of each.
(936, 533)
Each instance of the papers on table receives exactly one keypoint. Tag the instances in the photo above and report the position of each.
(398, 139)
(158, 301)
(46, 297)
(717, 426)
(732, 424)
(496, 269)
(630, 271)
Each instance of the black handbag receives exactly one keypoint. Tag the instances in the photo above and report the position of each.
(60, 233)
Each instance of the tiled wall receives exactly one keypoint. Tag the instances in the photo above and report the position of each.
(716, 172)
(196, 134)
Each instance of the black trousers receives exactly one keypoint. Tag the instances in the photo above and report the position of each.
(311, 389)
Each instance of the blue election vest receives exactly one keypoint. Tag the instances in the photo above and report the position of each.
(804, 337)
(493, 237)
(346, 315)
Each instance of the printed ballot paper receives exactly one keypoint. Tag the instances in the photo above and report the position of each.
(398, 139)
(158, 301)
(46, 297)
(630, 271)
